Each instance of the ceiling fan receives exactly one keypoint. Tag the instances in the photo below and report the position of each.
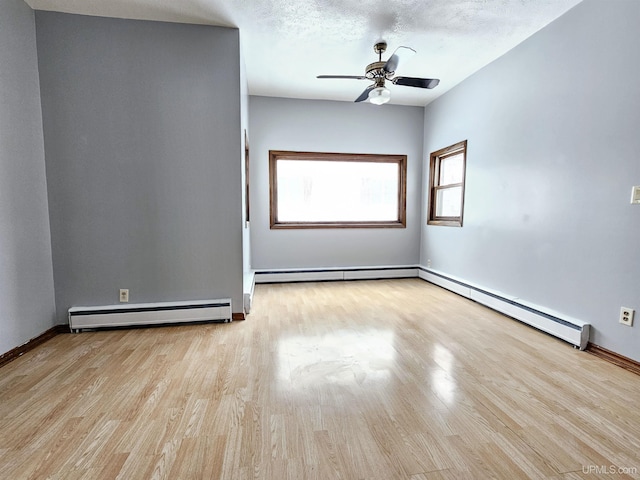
(381, 71)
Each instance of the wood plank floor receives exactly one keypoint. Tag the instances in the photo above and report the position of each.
(390, 379)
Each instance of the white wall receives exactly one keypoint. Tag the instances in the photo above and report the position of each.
(323, 126)
(27, 305)
(552, 155)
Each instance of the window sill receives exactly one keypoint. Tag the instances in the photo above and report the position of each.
(446, 223)
(311, 225)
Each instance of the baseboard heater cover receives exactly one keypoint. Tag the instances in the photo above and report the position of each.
(571, 330)
(334, 274)
(149, 314)
(248, 286)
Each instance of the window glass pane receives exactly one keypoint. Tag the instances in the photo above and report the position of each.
(334, 191)
(451, 169)
(448, 202)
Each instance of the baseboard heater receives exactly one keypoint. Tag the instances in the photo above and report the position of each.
(335, 274)
(571, 330)
(248, 286)
(127, 315)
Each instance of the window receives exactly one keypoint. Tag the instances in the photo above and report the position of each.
(446, 189)
(337, 190)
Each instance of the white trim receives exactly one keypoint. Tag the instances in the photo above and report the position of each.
(407, 272)
(248, 286)
(131, 314)
(569, 329)
(335, 273)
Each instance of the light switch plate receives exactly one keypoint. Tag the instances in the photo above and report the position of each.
(635, 194)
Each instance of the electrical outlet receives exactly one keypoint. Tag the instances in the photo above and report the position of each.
(124, 295)
(429, 263)
(626, 316)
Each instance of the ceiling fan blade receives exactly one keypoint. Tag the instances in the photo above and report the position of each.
(400, 54)
(351, 77)
(416, 82)
(364, 95)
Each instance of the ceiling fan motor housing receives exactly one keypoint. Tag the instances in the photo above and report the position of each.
(374, 70)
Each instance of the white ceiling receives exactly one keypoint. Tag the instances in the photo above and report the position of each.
(286, 43)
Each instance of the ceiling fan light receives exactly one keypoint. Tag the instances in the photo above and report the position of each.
(379, 95)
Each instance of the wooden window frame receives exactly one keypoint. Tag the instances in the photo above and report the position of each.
(246, 178)
(434, 187)
(400, 160)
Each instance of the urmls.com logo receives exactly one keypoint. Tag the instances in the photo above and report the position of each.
(609, 470)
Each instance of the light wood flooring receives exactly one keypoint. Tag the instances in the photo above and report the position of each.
(390, 379)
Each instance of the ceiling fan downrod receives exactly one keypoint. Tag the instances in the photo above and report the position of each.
(380, 47)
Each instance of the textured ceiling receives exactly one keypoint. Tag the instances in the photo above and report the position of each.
(286, 43)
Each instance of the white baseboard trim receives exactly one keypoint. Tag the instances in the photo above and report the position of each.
(248, 286)
(335, 274)
(571, 330)
(135, 314)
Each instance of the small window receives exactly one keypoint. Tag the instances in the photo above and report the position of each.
(337, 190)
(446, 189)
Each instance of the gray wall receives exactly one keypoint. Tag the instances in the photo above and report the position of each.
(141, 128)
(552, 156)
(27, 305)
(323, 126)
